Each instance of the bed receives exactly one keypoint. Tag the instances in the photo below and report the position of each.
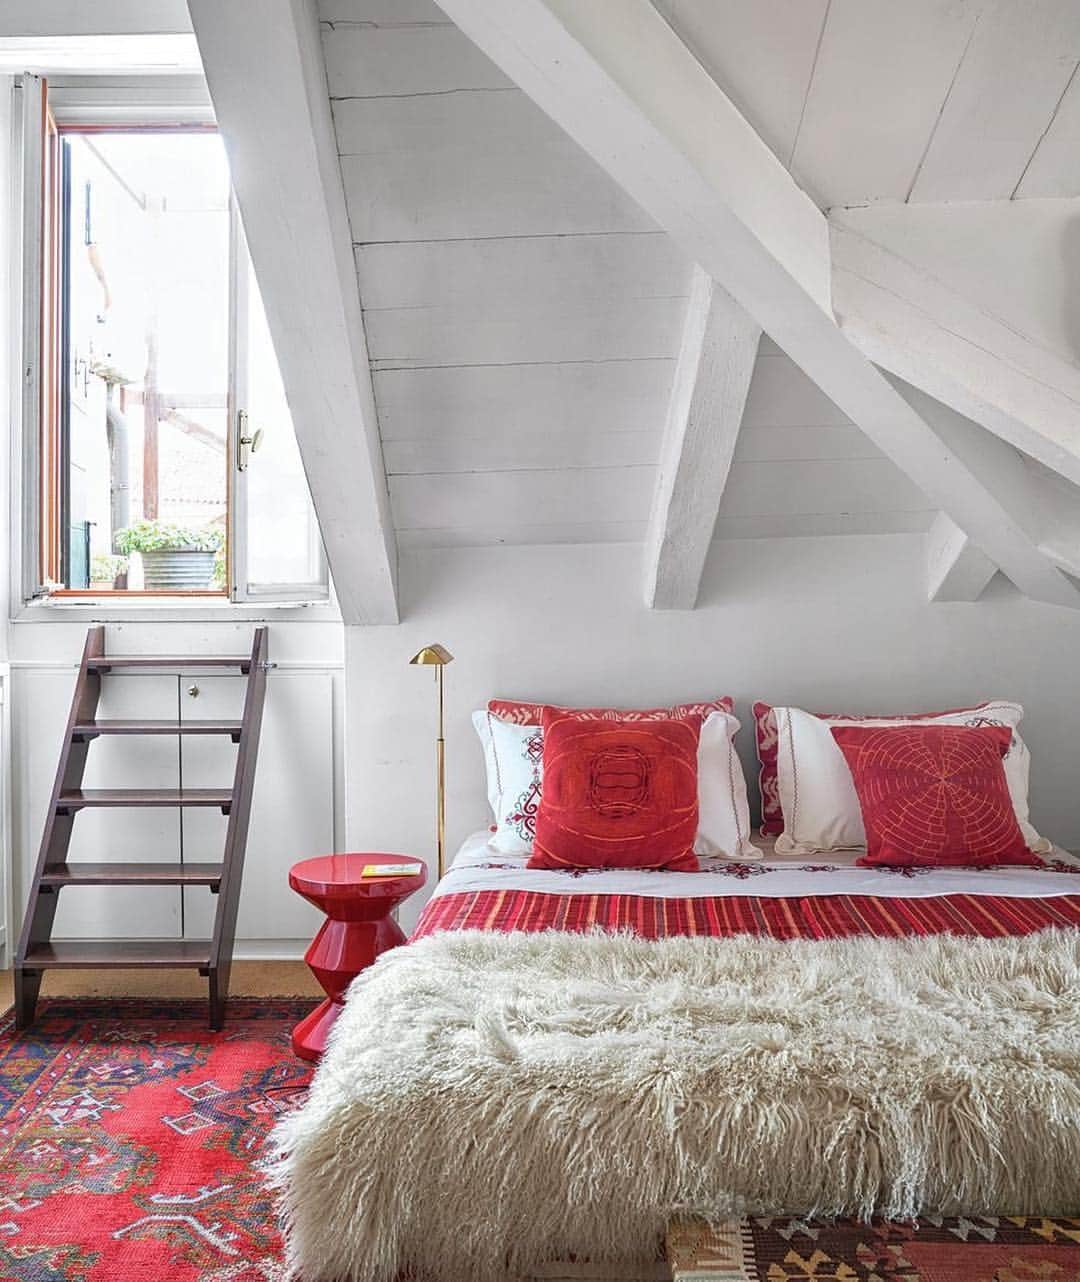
(559, 1062)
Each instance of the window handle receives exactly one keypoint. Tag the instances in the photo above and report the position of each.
(246, 442)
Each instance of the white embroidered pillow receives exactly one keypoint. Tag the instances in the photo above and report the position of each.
(513, 755)
(820, 807)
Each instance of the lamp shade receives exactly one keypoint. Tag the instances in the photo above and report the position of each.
(435, 654)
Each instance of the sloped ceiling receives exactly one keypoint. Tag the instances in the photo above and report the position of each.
(523, 314)
(925, 100)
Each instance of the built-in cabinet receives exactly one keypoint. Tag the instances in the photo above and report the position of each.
(293, 807)
(292, 812)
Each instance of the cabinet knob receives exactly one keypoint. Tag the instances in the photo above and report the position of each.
(193, 691)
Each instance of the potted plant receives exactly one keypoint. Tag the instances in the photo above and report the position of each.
(175, 558)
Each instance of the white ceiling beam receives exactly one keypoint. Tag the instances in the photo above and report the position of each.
(1019, 500)
(264, 67)
(1058, 502)
(1064, 553)
(909, 323)
(956, 570)
(708, 395)
(620, 82)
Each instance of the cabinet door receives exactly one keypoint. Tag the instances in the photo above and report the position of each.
(108, 835)
(292, 812)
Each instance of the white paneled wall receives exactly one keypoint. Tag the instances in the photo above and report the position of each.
(292, 809)
(42, 699)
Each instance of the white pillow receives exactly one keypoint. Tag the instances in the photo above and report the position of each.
(817, 795)
(513, 756)
(723, 810)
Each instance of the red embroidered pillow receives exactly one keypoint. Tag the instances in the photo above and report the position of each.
(767, 741)
(934, 796)
(523, 713)
(618, 794)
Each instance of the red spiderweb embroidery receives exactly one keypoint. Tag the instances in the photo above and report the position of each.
(934, 794)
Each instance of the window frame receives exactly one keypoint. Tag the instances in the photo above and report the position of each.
(122, 104)
(241, 589)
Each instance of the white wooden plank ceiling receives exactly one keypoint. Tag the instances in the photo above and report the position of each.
(928, 100)
(925, 100)
(523, 314)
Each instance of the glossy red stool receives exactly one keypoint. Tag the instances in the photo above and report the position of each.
(357, 929)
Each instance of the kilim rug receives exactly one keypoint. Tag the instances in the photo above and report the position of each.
(979, 1249)
(128, 1138)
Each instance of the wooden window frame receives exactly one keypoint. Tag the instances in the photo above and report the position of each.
(36, 563)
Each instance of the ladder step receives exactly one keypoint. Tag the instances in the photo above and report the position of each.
(121, 874)
(88, 729)
(182, 662)
(80, 798)
(110, 954)
(36, 951)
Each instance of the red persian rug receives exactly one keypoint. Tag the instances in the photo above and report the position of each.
(129, 1135)
(953, 1249)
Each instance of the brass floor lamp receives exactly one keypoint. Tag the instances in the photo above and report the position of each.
(438, 656)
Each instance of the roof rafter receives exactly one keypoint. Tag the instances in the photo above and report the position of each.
(1017, 499)
(708, 395)
(911, 324)
(956, 570)
(621, 83)
(264, 66)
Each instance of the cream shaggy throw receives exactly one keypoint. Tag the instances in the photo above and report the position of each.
(492, 1102)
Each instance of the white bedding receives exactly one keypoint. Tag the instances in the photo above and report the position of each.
(477, 866)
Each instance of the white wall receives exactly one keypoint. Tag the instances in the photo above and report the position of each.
(826, 623)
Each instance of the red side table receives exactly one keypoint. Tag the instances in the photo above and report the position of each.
(357, 929)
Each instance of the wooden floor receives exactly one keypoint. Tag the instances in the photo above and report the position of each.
(250, 978)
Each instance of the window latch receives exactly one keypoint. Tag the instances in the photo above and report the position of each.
(246, 442)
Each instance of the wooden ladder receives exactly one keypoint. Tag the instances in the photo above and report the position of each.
(212, 958)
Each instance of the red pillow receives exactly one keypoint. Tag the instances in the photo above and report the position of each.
(765, 735)
(934, 796)
(618, 794)
(523, 713)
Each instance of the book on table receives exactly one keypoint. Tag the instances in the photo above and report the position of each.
(392, 870)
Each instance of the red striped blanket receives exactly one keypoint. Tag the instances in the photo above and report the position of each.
(812, 917)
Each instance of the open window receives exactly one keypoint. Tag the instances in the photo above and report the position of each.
(164, 454)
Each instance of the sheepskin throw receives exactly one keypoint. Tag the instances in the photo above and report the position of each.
(490, 1103)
